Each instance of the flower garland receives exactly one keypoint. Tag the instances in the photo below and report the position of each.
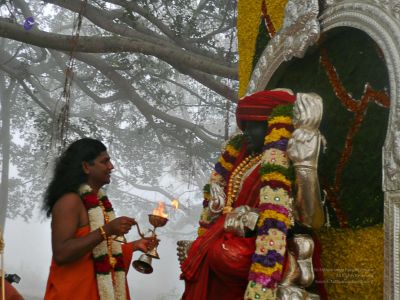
(275, 202)
(220, 175)
(275, 208)
(248, 30)
(107, 256)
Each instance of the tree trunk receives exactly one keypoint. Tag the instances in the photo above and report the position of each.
(5, 141)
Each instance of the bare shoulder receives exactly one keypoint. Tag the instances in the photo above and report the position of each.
(68, 203)
(67, 214)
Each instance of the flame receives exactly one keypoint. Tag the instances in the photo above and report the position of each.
(175, 203)
(159, 211)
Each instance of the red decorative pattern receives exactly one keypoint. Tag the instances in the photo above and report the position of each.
(359, 108)
(268, 22)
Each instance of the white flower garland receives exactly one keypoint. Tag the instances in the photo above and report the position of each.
(107, 290)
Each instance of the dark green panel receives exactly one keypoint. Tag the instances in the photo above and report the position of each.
(358, 61)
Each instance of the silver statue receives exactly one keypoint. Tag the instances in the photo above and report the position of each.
(217, 201)
(303, 150)
(241, 220)
(300, 271)
(183, 248)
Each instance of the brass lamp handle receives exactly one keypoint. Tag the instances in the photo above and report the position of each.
(139, 232)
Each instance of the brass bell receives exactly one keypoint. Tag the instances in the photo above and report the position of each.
(143, 264)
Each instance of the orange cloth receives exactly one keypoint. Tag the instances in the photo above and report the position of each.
(77, 280)
(11, 292)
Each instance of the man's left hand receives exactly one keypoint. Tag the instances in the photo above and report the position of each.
(146, 244)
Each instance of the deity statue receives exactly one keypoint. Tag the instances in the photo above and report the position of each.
(260, 205)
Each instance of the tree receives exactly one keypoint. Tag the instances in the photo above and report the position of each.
(156, 80)
(6, 97)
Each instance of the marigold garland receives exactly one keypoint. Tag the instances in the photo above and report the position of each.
(247, 27)
(275, 216)
(107, 256)
(249, 13)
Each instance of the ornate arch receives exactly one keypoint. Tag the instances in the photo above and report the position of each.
(380, 19)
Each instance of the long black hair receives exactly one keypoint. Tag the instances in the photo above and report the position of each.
(68, 172)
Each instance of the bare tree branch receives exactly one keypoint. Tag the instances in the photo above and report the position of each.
(132, 96)
(94, 44)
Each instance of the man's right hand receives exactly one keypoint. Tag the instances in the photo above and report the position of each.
(119, 226)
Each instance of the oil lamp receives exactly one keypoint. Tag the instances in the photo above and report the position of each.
(158, 219)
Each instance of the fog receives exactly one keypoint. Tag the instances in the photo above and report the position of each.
(155, 81)
(28, 254)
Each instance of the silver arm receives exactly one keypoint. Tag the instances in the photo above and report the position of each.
(241, 220)
(303, 150)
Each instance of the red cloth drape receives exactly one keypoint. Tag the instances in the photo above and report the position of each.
(218, 263)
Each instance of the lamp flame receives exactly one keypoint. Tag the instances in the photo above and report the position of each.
(175, 203)
(159, 211)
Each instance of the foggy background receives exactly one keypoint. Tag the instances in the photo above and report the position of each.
(28, 254)
(156, 82)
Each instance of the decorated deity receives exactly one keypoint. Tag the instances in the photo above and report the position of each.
(260, 205)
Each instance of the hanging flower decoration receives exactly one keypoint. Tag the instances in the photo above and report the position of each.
(275, 208)
(220, 175)
(107, 256)
(249, 18)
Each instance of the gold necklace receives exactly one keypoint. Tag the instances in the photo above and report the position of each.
(236, 179)
(108, 239)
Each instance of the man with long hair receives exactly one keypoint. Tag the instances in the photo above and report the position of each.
(88, 260)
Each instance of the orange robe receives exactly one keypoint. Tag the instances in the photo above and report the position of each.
(11, 292)
(77, 280)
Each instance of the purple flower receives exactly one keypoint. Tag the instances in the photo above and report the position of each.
(268, 260)
(280, 144)
(221, 170)
(271, 223)
(29, 22)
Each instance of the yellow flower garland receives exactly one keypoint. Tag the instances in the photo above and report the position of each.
(247, 27)
(249, 13)
(232, 151)
(276, 135)
(273, 214)
(267, 271)
(280, 120)
(276, 176)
